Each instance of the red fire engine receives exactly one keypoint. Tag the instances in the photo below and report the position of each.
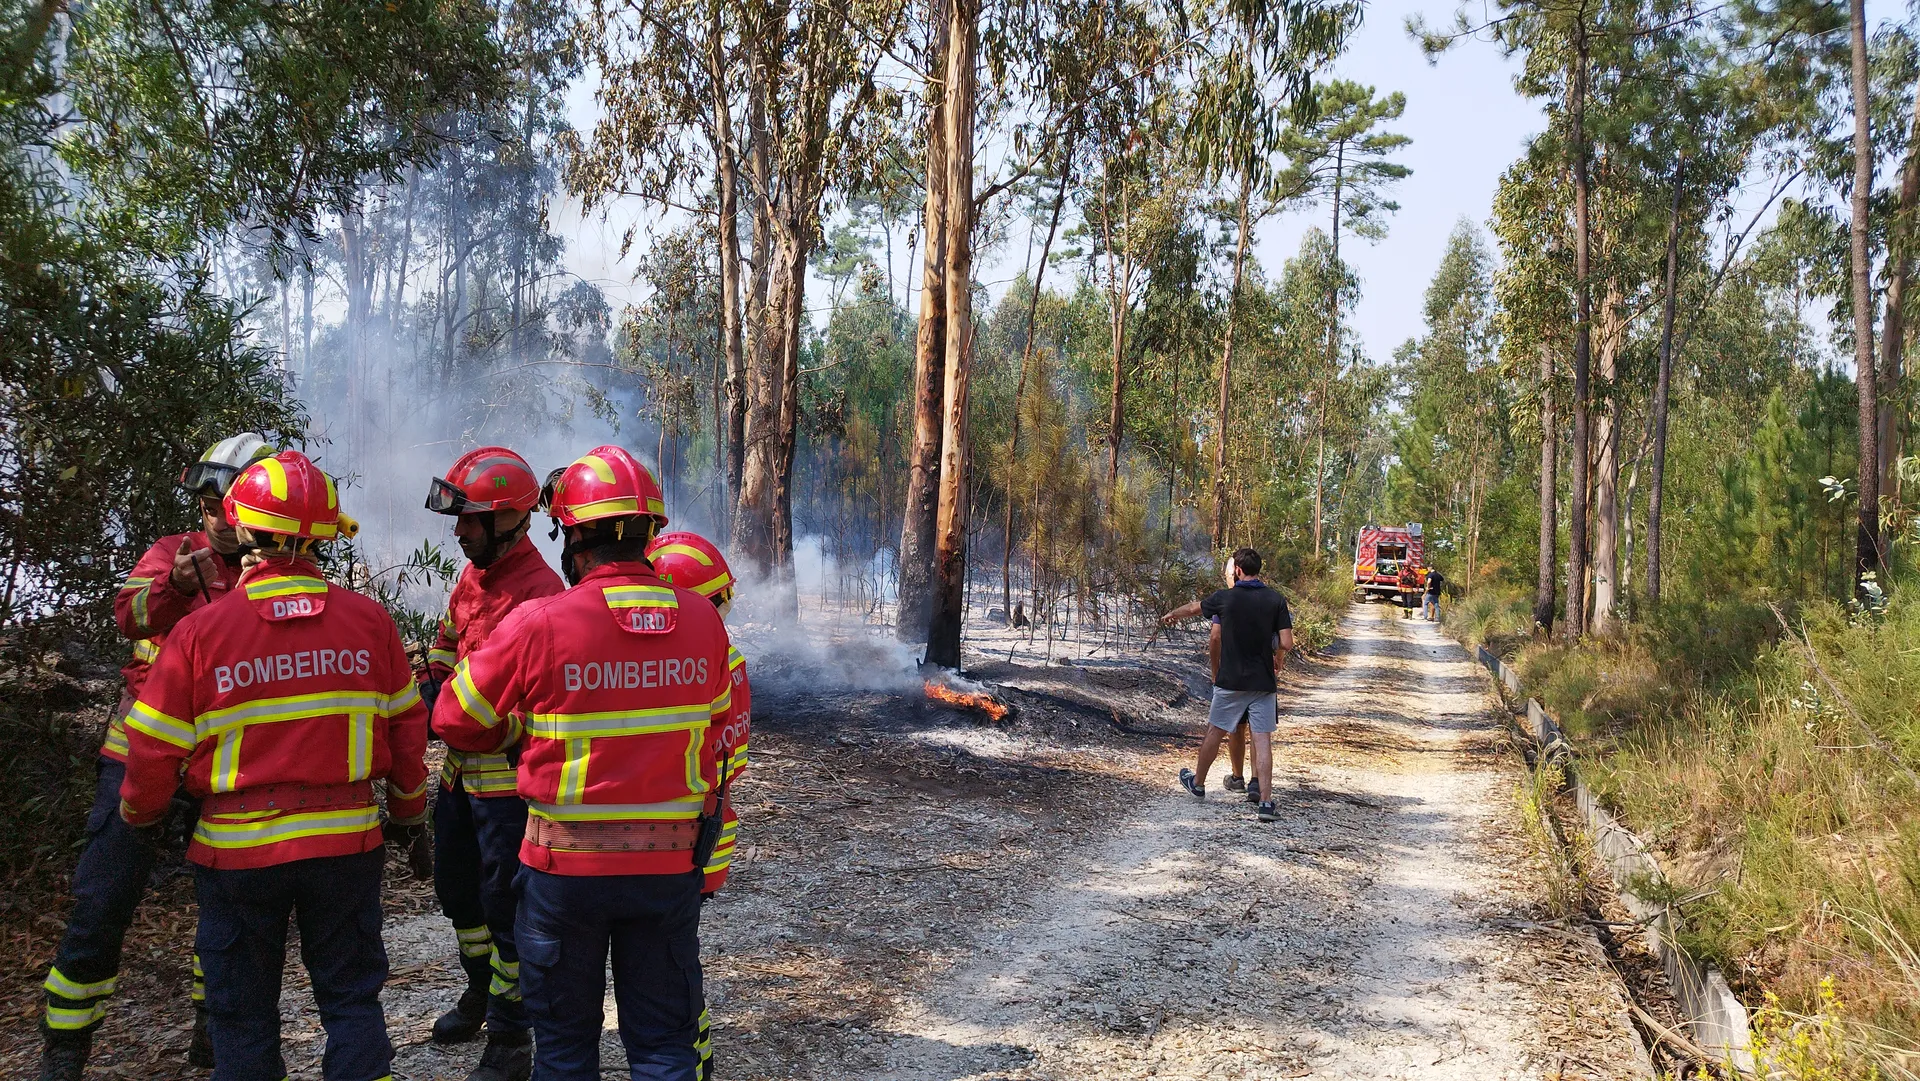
(1390, 562)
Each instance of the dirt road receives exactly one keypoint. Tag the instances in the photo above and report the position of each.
(924, 896)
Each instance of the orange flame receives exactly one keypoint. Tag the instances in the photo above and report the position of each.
(984, 703)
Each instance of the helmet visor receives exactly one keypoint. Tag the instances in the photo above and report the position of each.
(444, 498)
(208, 478)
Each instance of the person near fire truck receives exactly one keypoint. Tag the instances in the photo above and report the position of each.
(280, 705)
(180, 573)
(691, 561)
(608, 692)
(479, 819)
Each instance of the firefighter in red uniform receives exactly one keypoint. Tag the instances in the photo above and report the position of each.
(177, 575)
(281, 705)
(479, 820)
(609, 691)
(690, 561)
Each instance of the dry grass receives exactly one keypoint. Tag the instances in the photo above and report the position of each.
(1783, 802)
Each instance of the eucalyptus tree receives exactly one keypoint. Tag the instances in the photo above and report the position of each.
(1255, 71)
(1338, 153)
(136, 141)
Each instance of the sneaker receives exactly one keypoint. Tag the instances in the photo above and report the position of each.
(1267, 813)
(1236, 783)
(1253, 790)
(1192, 784)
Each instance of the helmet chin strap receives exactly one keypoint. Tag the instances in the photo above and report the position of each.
(497, 543)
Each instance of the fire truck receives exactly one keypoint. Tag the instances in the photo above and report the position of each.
(1390, 563)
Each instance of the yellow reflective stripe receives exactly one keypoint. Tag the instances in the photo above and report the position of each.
(734, 659)
(402, 701)
(360, 746)
(441, 656)
(296, 707)
(395, 793)
(67, 1020)
(284, 586)
(695, 782)
(226, 761)
(116, 741)
(219, 832)
(488, 774)
(573, 772)
(471, 699)
(685, 807)
(474, 941)
(140, 605)
(146, 651)
(259, 519)
(639, 597)
(135, 583)
(276, 477)
(172, 730)
(687, 550)
(656, 506)
(506, 977)
(632, 722)
(57, 983)
(605, 507)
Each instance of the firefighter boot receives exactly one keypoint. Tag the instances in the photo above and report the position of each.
(463, 1022)
(508, 1057)
(63, 1057)
(200, 1051)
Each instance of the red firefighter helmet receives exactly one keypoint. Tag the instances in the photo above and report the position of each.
(485, 479)
(690, 561)
(287, 494)
(606, 482)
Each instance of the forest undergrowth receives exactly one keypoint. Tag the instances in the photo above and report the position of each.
(1779, 792)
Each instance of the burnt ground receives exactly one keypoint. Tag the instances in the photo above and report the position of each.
(922, 894)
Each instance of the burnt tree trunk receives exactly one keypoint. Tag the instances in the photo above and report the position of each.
(950, 558)
(921, 516)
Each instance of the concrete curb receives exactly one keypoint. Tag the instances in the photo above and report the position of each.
(1716, 1019)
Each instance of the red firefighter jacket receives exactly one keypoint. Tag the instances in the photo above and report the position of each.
(481, 599)
(146, 608)
(283, 702)
(730, 748)
(610, 689)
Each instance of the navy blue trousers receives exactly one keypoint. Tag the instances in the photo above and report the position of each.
(651, 926)
(108, 883)
(476, 854)
(243, 948)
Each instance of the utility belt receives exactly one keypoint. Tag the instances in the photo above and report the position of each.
(291, 796)
(700, 835)
(676, 835)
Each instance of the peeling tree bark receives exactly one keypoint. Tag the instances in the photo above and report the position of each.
(950, 558)
(1576, 621)
(921, 517)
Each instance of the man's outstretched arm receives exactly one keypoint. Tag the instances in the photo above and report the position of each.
(1186, 611)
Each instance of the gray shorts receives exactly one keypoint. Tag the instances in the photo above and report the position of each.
(1261, 707)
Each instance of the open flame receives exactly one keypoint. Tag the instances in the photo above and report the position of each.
(940, 692)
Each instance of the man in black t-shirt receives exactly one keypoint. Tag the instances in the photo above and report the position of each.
(1249, 621)
(1430, 606)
